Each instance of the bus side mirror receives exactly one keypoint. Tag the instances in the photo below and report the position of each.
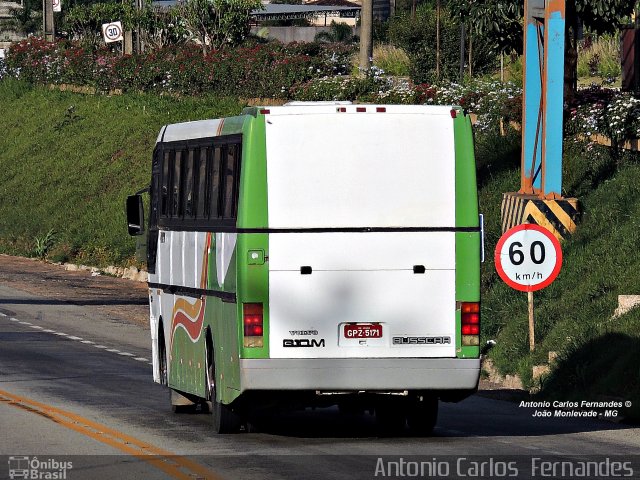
(135, 215)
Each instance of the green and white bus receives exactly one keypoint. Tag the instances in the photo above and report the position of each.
(315, 254)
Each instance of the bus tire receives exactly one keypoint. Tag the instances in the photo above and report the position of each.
(181, 404)
(223, 419)
(423, 414)
(390, 416)
(162, 357)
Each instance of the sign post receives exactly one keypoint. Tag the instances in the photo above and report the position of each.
(528, 258)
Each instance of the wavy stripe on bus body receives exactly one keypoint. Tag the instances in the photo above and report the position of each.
(190, 316)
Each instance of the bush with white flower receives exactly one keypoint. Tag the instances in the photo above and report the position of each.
(606, 112)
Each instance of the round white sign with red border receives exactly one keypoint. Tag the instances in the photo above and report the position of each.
(528, 258)
(112, 32)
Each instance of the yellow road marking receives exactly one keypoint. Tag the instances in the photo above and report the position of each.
(176, 466)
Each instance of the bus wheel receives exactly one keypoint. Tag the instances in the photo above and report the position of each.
(390, 416)
(181, 404)
(423, 414)
(162, 358)
(224, 420)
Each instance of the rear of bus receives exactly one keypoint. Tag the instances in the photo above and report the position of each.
(366, 284)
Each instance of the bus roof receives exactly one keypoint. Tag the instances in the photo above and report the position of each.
(300, 108)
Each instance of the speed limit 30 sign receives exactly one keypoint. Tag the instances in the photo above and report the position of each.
(528, 257)
(112, 32)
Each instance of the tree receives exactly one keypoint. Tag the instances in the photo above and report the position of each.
(84, 22)
(214, 23)
(602, 16)
(28, 19)
(337, 33)
(502, 21)
(418, 37)
(498, 20)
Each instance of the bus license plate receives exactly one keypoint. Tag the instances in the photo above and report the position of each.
(363, 331)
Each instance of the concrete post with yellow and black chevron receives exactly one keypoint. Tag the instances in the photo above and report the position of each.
(559, 216)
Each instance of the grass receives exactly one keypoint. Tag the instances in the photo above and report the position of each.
(599, 58)
(393, 60)
(600, 357)
(69, 161)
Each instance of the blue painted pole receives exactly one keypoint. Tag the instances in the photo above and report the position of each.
(554, 100)
(543, 98)
(532, 97)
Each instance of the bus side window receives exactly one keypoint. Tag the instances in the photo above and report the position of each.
(187, 191)
(202, 212)
(164, 189)
(214, 186)
(230, 182)
(176, 207)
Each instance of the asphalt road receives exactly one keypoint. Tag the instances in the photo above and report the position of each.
(76, 386)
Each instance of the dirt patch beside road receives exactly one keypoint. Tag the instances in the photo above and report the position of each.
(112, 297)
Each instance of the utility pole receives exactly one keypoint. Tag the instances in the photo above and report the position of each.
(462, 49)
(139, 46)
(438, 9)
(48, 27)
(366, 35)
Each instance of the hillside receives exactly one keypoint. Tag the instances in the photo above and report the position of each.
(68, 161)
(599, 357)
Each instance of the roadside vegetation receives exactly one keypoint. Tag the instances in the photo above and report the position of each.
(68, 162)
(599, 356)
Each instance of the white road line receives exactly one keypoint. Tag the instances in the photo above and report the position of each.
(73, 337)
(530, 447)
(3, 314)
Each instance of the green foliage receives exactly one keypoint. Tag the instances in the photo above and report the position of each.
(44, 243)
(263, 70)
(501, 20)
(74, 179)
(392, 60)
(497, 20)
(600, 57)
(599, 264)
(215, 23)
(603, 16)
(337, 33)
(28, 19)
(417, 36)
(85, 21)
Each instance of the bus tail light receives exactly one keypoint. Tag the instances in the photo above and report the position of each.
(252, 319)
(470, 324)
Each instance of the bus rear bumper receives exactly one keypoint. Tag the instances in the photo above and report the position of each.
(362, 374)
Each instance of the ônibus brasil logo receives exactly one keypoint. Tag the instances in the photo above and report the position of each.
(34, 468)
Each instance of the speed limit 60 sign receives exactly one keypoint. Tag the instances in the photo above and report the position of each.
(528, 257)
